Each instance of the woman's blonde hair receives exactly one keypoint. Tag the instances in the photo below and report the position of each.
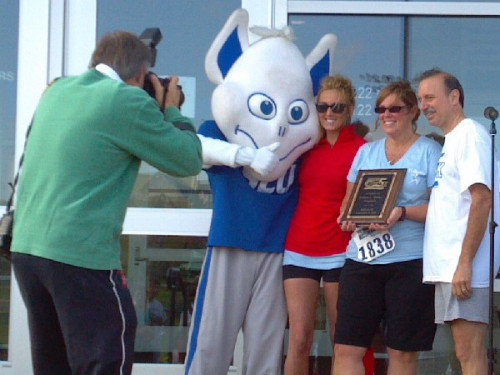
(339, 83)
(342, 85)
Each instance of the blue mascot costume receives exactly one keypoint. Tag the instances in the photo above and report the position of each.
(264, 119)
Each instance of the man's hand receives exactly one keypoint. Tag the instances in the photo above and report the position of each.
(173, 98)
(461, 283)
(476, 228)
(173, 93)
(158, 87)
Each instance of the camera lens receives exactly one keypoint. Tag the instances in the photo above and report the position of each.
(149, 88)
(148, 85)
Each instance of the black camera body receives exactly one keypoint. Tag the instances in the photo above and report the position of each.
(151, 37)
(149, 88)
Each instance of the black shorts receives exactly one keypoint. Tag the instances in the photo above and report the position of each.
(388, 294)
(296, 272)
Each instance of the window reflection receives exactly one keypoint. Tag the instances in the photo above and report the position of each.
(162, 274)
(9, 27)
(409, 45)
(465, 51)
(181, 52)
(456, 1)
(160, 190)
(370, 62)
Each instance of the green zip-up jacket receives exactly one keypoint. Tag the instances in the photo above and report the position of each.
(88, 137)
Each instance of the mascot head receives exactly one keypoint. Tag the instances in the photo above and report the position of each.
(265, 91)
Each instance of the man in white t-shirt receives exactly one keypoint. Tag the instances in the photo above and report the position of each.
(457, 242)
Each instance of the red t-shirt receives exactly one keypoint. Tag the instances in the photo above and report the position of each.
(322, 185)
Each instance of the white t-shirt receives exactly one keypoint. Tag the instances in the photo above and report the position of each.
(465, 160)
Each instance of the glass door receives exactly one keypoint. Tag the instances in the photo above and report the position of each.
(166, 225)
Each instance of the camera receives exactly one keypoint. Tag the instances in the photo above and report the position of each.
(149, 88)
(151, 37)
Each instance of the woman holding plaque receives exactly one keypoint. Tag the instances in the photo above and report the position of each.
(381, 282)
(315, 246)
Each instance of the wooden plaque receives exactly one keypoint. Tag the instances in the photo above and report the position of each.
(374, 195)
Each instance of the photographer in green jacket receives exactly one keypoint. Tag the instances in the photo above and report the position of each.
(88, 137)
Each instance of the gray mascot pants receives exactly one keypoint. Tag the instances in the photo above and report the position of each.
(238, 289)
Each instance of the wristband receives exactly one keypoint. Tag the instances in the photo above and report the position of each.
(403, 213)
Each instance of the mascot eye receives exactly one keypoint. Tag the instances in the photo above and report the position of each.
(262, 106)
(298, 112)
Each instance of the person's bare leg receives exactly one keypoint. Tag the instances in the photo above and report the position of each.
(402, 363)
(470, 346)
(302, 297)
(331, 291)
(348, 360)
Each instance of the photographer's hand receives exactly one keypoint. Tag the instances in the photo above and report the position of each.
(158, 87)
(173, 98)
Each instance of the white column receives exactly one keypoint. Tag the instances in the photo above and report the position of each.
(80, 35)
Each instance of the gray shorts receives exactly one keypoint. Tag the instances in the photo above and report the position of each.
(473, 309)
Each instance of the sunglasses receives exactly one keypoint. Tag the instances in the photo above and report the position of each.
(393, 109)
(335, 107)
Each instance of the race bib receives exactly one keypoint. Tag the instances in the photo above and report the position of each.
(373, 244)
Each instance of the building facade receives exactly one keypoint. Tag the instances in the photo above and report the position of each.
(167, 221)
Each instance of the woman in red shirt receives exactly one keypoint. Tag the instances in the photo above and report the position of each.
(315, 246)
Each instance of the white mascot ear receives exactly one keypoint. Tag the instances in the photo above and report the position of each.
(227, 47)
(320, 60)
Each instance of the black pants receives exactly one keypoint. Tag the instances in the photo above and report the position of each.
(81, 321)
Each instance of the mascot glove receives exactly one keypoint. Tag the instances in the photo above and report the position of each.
(218, 152)
(262, 160)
